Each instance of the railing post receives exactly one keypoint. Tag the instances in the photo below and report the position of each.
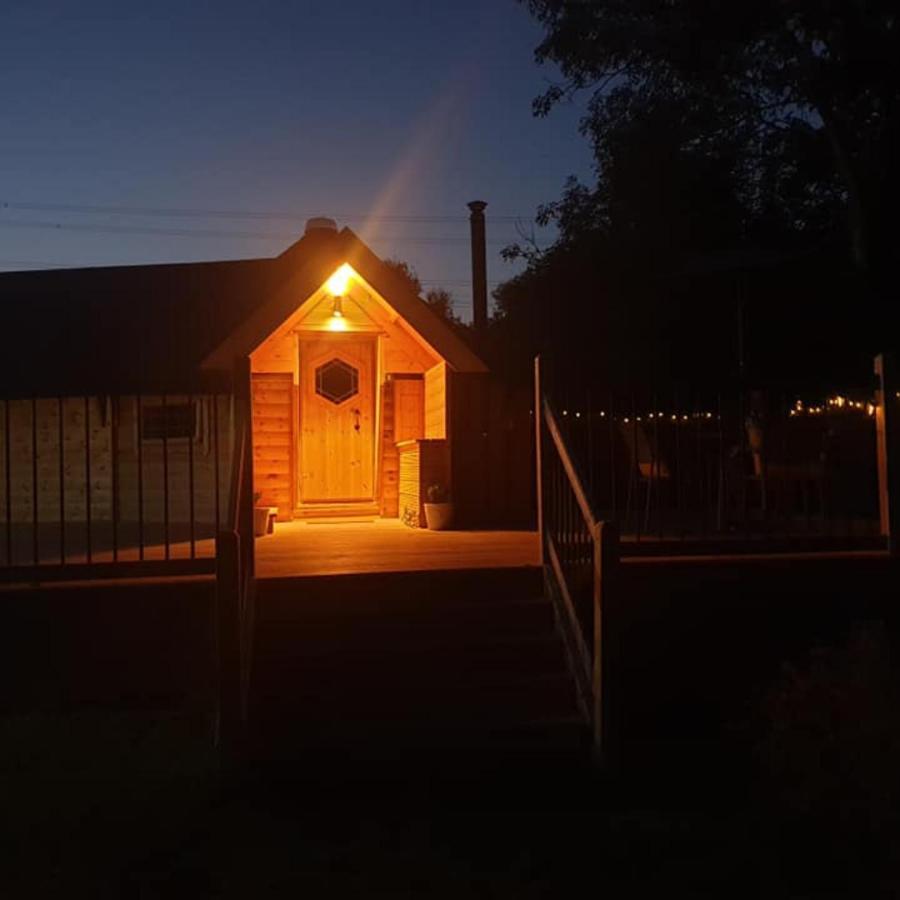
(888, 441)
(539, 474)
(244, 403)
(228, 640)
(606, 560)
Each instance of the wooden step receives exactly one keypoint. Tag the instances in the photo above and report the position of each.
(382, 593)
(429, 626)
(364, 653)
(338, 511)
(417, 747)
(463, 687)
(464, 661)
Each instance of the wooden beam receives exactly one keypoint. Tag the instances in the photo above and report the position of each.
(887, 424)
(606, 559)
(538, 469)
(228, 640)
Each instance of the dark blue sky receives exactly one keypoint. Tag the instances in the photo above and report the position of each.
(384, 110)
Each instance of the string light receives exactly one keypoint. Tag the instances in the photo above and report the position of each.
(831, 405)
(839, 402)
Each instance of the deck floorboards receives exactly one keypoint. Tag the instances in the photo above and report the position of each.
(386, 545)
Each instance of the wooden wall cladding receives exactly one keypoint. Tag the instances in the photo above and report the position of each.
(492, 447)
(66, 447)
(436, 402)
(403, 419)
(422, 463)
(273, 440)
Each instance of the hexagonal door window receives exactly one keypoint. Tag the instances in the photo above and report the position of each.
(337, 381)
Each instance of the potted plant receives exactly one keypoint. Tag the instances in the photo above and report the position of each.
(260, 516)
(438, 508)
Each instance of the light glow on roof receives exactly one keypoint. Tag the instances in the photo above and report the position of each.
(338, 283)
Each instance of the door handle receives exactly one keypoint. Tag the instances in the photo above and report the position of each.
(357, 413)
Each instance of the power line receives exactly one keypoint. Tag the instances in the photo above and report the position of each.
(216, 233)
(204, 213)
(45, 264)
(35, 263)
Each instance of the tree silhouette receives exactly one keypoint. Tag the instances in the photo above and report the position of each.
(439, 299)
(802, 97)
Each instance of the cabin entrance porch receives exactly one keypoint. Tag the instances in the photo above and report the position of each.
(336, 387)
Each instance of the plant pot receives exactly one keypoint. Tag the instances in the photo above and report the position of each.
(261, 520)
(438, 516)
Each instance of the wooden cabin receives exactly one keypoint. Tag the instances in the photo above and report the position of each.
(120, 385)
(358, 391)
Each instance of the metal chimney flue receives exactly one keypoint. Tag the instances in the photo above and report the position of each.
(479, 264)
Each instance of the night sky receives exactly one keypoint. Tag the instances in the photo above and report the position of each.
(386, 116)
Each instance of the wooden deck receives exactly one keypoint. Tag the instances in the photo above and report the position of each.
(386, 545)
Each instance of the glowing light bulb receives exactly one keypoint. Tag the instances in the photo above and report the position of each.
(338, 283)
(338, 321)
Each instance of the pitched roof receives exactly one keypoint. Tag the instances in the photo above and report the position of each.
(310, 261)
(170, 327)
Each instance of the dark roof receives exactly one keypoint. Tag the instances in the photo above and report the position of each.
(150, 328)
(120, 329)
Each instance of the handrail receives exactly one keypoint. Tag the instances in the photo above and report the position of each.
(237, 476)
(580, 553)
(234, 580)
(568, 465)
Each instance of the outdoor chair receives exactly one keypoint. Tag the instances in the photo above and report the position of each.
(789, 456)
(646, 467)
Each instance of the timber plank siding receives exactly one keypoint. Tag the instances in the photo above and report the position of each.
(63, 486)
(273, 441)
(403, 419)
(422, 463)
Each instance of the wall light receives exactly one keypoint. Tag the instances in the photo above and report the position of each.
(338, 321)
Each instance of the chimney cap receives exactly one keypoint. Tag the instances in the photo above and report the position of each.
(477, 206)
(320, 223)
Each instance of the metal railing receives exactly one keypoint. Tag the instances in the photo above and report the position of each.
(580, 553)
(729, 467)
(103, 485)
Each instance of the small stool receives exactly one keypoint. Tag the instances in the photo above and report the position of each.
(270, 519)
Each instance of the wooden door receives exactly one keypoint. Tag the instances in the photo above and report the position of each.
(337, 419)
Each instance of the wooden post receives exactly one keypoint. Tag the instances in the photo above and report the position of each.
(887, 424)
(538, 428)
(228, 641)
(606, 560)
(244, 403)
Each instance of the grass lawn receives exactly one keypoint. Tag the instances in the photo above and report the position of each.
(136, 805)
